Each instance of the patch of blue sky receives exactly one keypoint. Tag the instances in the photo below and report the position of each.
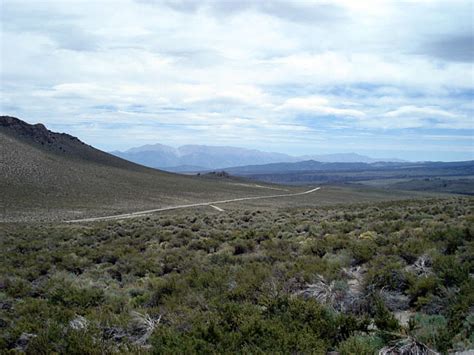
(464, 94)
(107, 108)
(321, 121)
(173, 109)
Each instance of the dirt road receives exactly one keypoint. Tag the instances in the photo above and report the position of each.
(141, 213)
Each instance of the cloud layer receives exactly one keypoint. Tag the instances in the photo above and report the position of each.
(375, 77)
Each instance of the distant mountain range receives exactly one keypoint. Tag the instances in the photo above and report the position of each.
(202, 157)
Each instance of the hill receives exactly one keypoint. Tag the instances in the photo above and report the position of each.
(44, 173)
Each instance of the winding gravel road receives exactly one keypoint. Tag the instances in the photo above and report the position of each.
(141, 213)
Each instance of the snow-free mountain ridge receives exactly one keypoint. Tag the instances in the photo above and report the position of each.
(203, 157)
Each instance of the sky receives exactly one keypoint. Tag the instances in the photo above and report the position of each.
(376, 77)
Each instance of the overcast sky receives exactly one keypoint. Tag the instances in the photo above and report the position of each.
(382, 78)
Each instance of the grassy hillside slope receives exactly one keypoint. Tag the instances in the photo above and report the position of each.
(56, 175)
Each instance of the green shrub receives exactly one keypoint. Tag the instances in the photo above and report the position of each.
(357, 345)
(431, 330)
(160, 289)
(420, 287)
(450, 270)
(387, 272)
(243, 246)
(383, 318)
(56, 338)
(363, 250)
(17, 287)
(68, 295)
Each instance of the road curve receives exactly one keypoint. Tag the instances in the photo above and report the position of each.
(141, 213)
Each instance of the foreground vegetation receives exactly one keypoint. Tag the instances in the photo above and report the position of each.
(354, 279)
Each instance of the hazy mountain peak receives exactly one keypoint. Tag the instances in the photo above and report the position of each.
(218, 157)
(151, 148)
(205, 156)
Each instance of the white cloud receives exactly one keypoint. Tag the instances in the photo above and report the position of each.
(249, 67)
(317, 105)
(420, 111)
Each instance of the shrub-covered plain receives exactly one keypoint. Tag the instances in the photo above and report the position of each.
(353, 279)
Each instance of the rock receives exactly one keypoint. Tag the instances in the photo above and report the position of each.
(23, 341)
(403, 317)
(78, 323)
(5, 306)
